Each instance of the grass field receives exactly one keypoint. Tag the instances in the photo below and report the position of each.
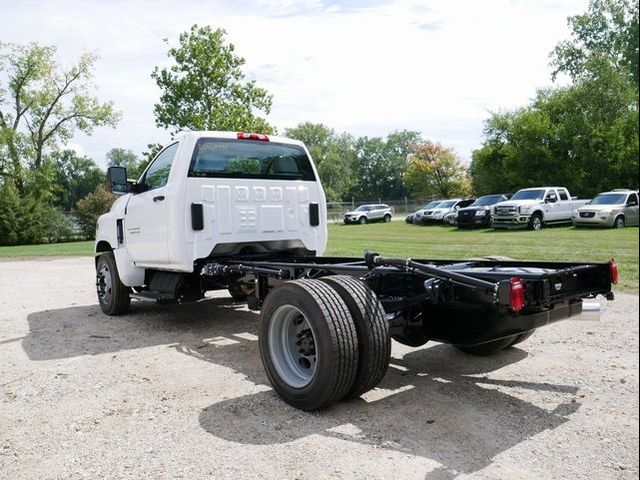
(401, 239)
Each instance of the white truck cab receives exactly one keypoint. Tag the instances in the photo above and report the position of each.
(214, 194)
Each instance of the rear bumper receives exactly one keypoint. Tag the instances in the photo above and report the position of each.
(474, 327)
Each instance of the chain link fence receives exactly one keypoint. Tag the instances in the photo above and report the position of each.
(402, 207)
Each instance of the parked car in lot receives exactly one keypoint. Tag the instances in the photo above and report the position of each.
(413, 217)
(478, 214)
(609, 209)
(437, 214)
(369, 213)
(534, 207)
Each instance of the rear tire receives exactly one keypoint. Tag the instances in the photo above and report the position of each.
(387, 218)
(308, 344)
(535, 223)
(372, 328)
(113, 295)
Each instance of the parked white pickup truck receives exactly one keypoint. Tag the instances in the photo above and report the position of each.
(534, 207)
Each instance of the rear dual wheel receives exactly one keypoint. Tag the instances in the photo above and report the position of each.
(322, 341)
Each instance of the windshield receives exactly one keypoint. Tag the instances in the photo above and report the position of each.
(363, 208)
(433, 204)
(528, 195)
(487, 200)
(447, 204)
(609, 199)
(229, 158)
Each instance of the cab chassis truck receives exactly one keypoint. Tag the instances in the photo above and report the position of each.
(246, 213)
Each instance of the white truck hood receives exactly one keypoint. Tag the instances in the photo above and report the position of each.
(518, 203)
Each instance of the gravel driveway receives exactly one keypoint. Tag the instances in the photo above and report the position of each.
(179, 392)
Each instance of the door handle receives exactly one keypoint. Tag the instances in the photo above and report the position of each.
(159, 198)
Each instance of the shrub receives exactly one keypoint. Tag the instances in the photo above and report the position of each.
(91, 207)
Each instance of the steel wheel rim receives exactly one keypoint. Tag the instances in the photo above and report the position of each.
(292, 346)
(537, 223)
(104, 284)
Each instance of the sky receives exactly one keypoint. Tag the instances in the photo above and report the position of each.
(362, 66)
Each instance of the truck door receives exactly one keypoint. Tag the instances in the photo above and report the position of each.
(565, 205)
(146, 229)
(551, 207)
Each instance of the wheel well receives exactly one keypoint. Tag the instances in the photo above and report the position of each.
(619, 215)
(101, 247)
(538, 212)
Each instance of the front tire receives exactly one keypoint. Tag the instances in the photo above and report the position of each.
(362, 220)
(308, 344)
(535, 223)
(113, 295)
(372, 329)
(619, 222)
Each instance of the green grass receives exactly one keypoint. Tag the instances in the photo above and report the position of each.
(69, 249)
(399, 239)
(553, 244)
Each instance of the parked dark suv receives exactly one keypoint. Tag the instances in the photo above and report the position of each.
(478, 214)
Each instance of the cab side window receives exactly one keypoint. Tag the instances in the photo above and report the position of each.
(157, 175)
(632, 200)
(564, 195)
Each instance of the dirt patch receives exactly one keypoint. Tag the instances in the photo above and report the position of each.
(179, 391)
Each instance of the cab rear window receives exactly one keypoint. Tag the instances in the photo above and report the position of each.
(230, 158)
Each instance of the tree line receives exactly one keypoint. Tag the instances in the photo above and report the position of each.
(583, 135)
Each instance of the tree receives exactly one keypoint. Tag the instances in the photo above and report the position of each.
(120, 157)
(435, 171)
(205, 88)
(608, 33)
(43, 104)
(92, 206)
(381, 164)
(584, 135)
(333, 155)
(76, 177)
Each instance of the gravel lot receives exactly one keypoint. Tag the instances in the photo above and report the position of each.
(179, 391)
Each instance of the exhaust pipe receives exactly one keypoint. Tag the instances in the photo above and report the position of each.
(590, 312)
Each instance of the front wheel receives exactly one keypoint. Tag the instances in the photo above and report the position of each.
(113, 295)
(362, 220)
(536, 222)
(618, 222)
(308, 344)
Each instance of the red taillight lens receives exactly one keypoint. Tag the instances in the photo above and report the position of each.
(516, 294)
(252, 136)
(613, 268)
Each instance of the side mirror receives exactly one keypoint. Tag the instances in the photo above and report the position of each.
(551, 199)
(457, 207)
(117, 177)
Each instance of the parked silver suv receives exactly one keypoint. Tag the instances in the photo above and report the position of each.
(609, 209)
(369, 213)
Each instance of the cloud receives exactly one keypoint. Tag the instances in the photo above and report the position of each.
(367, 67)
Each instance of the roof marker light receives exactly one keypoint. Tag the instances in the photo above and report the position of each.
(252, 136)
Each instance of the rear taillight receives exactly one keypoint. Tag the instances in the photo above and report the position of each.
(252, 136)
(516, 294)
(613, 269)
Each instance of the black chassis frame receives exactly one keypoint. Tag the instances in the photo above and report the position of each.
(452, 301)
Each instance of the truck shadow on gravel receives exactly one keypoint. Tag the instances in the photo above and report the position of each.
(435, 402)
